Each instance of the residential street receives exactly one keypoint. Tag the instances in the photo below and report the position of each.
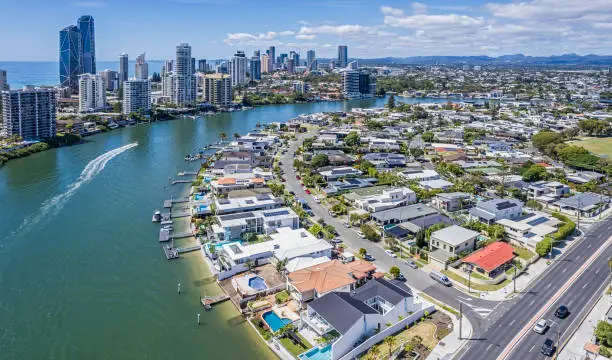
(495, 324)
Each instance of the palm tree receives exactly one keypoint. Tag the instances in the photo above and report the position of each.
(374, 351)
(236, 136)
(280, 265)
(249, 264)
(222, 136)
(390, 341)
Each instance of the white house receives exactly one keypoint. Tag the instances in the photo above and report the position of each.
(450, 242)
(372, 312)
(232, 226)
(387, 200)
(420, 175)
(493, 210)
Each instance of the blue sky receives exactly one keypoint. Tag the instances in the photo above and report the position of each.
(217, 28)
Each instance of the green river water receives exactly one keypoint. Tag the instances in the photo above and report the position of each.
(82, 275)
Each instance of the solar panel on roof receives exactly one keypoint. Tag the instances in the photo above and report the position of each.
(249, 201)
(538, 221)
(223, 201)
(236, 216)
(504, 205)
(262, 197)
(352, 181)
(276, 213)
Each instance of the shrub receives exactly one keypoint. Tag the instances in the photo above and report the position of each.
(282, 297)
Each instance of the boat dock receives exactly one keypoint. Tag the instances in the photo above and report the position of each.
(168, 203)
(174, 182)
(209, 301)
(171, 253)
(185, 173)
(180, 215)
(164, 235)
(188, 249)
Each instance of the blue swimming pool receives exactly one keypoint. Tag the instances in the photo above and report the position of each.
(275, 322)
(220, 244)
(317, 354)
(258, 283)
(202, 208)
(198, 196)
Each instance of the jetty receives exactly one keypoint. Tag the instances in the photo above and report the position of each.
(181, 214)
(171, 253)
(168, 203)
(182, 235)
(164, 235)
(209, 301)
(174, 182)
(188, 249)
(185, 173)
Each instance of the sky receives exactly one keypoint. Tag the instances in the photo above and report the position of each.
(371, 28)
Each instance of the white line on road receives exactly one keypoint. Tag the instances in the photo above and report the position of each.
(588, 247)
(585, 285)
(532, 301)
(597, 272)
(564, 270)
(532, 347)
(512, 322)
(488, 347)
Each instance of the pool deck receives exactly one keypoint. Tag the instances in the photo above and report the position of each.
(267, 272)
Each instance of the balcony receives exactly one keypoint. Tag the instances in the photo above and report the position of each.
(320, 326)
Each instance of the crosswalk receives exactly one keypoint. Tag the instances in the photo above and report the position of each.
(467, 301)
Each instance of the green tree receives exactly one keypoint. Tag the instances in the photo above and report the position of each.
(395, 271)
(117, 107)
(369, 232)
(428, 136)
(223, 136)
(352, 139)
(420, 238)
(319, 160)
(362, 251)
(391, 102)
(535, 173)
(390, 341)
(236, 136)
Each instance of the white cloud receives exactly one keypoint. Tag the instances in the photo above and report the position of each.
(435, 21)
(550, 9)
(305, 37)
(388, 10)
(254, 39)
(419, 8)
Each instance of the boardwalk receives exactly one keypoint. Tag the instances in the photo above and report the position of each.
(209, 301)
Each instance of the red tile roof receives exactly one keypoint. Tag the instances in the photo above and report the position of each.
(492, 256)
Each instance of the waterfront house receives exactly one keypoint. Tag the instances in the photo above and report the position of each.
(387, 200)
(358, 319)
(450, 242)
(247, 203)
(315, 281)
(233, 226)
(491, 260)
(493, 210)
(227, 184)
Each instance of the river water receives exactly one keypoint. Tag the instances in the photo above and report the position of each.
(82, 275)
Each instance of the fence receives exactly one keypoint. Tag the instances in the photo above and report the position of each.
(364, 346)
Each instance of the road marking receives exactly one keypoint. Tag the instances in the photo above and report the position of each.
(532, 301)
(588, 247)
(512, 345)
(488, 347)
(569, 304)
(585, 285)
(548, 286)
(597, 272)
(532, 347)
(512, 322)
(564, 270)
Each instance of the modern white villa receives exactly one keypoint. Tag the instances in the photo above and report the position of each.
(362, 317)
(387, 200)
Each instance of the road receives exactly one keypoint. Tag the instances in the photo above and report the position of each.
(496, 324)
(489, 342)
(475, 309)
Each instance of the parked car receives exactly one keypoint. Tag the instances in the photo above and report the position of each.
(283, 179)
(368, 257)
(400, 277)
(336, 240)
(297, 177)
(541, 326)
(331, 213)
(347, 224)
(562, 312)
(360, 234)
(548, 348)
(292, 192)
(412, 264)
(391, 253)
(307, 191)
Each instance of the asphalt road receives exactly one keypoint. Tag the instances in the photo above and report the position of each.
(490, 340)
(476, 310)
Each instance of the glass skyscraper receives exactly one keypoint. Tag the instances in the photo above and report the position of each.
(70, 57)
(86, 27)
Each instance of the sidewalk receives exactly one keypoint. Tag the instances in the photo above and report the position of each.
(451, 344)
(574, 348)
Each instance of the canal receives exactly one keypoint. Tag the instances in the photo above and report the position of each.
(82, 275)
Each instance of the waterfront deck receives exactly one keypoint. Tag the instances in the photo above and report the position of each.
(181, 215)
(182, 235)
(170, 252)
(174, 182)
(188, 249)
(186, 173)
(168, 203)
(209, 301)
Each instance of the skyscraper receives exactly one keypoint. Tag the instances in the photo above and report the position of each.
(193, 65)
(266, 63)
(70, 59)
(3, 83)
(137, 96)
(311, 60)
(92, 94)
(111, 79)
(141, 68)
(217, 89)
(342, 56)
(29, 113)
(357, 84)
(255, 68)
(272, 54)
(123, 68)
(88, 37)
(202, 65)
(238, 69)
(184, 86)
(296, 58)
(290, 65)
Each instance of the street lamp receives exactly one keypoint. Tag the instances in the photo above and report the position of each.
(469, 268)
(514, 264)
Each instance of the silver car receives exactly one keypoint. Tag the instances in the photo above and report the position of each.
(541, 326)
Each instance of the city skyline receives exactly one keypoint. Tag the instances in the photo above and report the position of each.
(389, 28)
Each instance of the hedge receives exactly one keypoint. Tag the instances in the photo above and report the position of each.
(568, 227)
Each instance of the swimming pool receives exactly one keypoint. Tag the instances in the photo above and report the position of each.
(202, 208)
(258, 283)
(220, 244)
(198, 196)
(275, 322)
(317, 354)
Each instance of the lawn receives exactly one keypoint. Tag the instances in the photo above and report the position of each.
(295, 350)
(523, 253)
(474, 285)
(598, 146)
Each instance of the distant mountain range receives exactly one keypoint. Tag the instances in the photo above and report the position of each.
(511, 60)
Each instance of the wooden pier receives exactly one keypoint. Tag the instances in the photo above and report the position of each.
(180, 215)
(185, 173)
(209, 301)
(164, 235)
(182, 235)
(170, 252)
(174, 182)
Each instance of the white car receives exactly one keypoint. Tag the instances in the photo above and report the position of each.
(360, 234)
(316, 199)
(391, 253)
(541, 326)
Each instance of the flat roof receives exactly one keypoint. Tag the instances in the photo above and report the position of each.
(454, 235)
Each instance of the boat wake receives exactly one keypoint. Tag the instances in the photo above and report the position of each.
(52, 206)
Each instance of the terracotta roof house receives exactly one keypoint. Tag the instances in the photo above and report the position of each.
(491, 260)
(315, 281)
